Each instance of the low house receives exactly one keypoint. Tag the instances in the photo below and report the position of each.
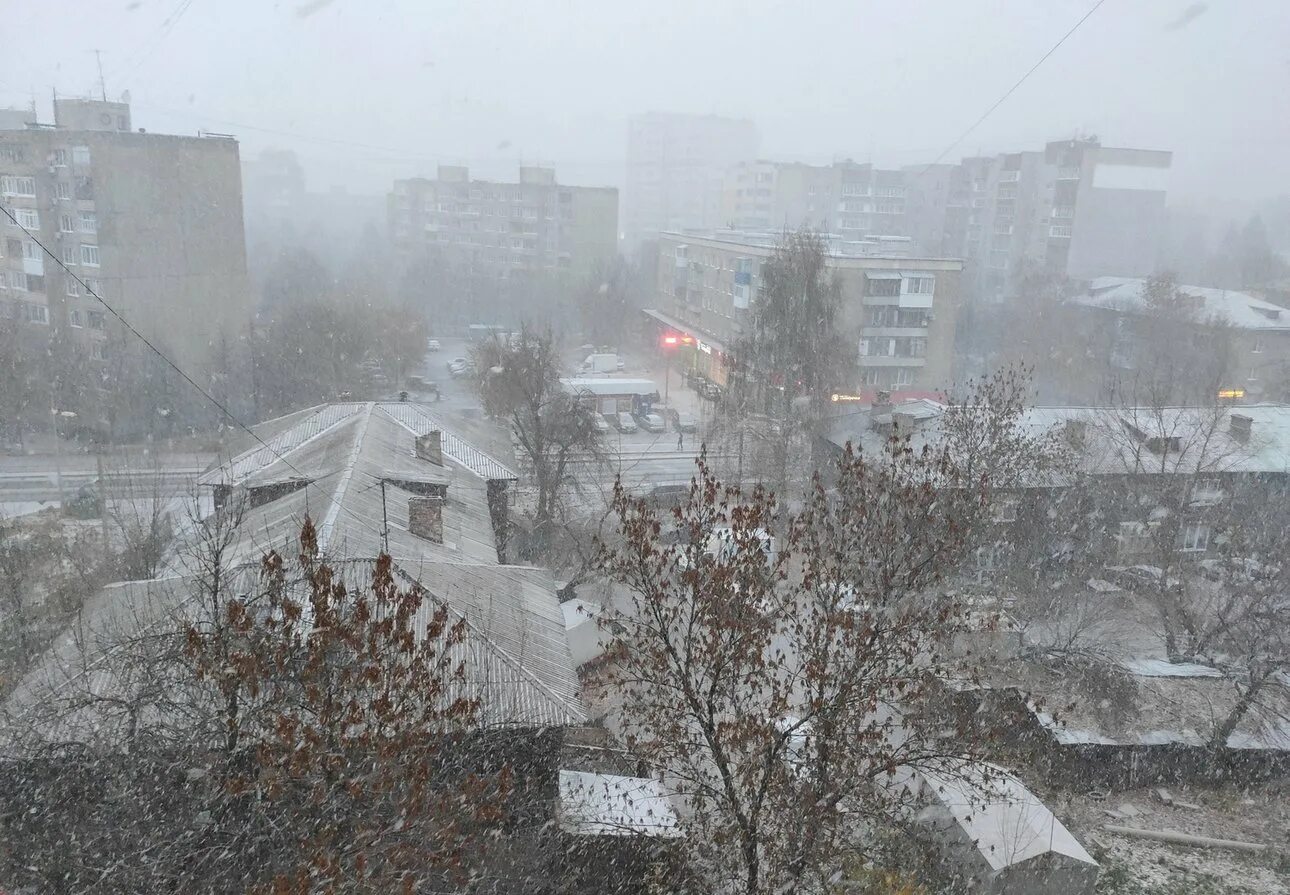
(1133, 722)
(376, 479)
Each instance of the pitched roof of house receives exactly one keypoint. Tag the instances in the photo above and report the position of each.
(1239, 309)
(354, 469)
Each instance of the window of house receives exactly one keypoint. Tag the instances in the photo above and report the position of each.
(904, 376)
(1195, 537)
(63, 189)
(31, 251)
(18, 280)
(71, 254)
(90, 255)
(1257, 347)
(36, 313)
(866, 347)
(95, 319)
(13, 247)
(60, 157)
(73, 287)
(94, 285)
(1006, 510)
(97, 351)
(872, 376)
(89, 222)
(28, 219)
(67, 223)
(75, 318)
(80, 155)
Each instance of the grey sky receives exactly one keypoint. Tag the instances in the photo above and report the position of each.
(493, 81)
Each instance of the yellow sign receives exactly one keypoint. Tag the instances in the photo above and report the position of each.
(836, 398)
(1231, 393)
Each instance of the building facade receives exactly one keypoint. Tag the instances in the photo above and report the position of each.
(1075, 209)
(152, 223)
(1200, 339)
(676, 169)
(504, 229)
(898, 312)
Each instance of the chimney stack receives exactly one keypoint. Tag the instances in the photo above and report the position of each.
(1240, 427)
(425, 518)
(430, 447)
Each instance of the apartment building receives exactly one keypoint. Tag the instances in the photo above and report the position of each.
(676, 169)
(503, 229)
(152, 223)
(1075, 209)
(898, 312)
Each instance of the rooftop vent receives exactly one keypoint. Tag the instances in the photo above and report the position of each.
(1240, 426)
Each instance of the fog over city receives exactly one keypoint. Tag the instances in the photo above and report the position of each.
(645, 449)
(494, 82)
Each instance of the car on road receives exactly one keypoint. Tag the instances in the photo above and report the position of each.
(433, 345)
(683, 421)
(652, 422)
(459, 366)
(623, 422)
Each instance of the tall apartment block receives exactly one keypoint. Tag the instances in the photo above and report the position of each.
(676, 168)
(151, 222)
(897, 312)
(504, 229)
(1076, 208)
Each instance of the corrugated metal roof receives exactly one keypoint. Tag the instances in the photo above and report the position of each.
(518, 658)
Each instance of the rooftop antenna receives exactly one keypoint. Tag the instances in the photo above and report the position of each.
(102, 84)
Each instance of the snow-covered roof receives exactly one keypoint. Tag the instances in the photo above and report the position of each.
(1181, 704)
(610, 805)
(608, 385)
(1005, 821)
(1114, 440)
(362, 471)
(1238, 309)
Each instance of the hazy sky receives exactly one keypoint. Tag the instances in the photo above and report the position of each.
(492, 81)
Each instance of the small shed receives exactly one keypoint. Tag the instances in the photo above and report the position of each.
(995, 835)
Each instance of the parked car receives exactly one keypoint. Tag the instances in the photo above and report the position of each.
(683, 421)
(624, 422)
(433, 345)
(601, 425)
(652, 422)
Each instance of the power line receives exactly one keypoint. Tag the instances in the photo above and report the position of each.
(1013, 89)
(157, 351)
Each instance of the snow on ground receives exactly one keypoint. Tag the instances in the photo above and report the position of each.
(1143, 867)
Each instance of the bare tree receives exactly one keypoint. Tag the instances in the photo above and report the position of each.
(519, 382)
(792, 354)
(777, 668)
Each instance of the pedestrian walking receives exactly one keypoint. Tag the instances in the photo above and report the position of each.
(680, 440)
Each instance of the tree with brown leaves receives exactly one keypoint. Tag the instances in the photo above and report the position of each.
(779, 668)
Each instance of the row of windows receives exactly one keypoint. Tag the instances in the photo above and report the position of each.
(899, 346)
(85, 254)
(88, 222)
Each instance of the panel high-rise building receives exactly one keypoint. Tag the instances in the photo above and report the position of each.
(152, 223)
(676, 168)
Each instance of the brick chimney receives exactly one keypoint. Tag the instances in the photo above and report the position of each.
(425, 517)
(430, 447)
